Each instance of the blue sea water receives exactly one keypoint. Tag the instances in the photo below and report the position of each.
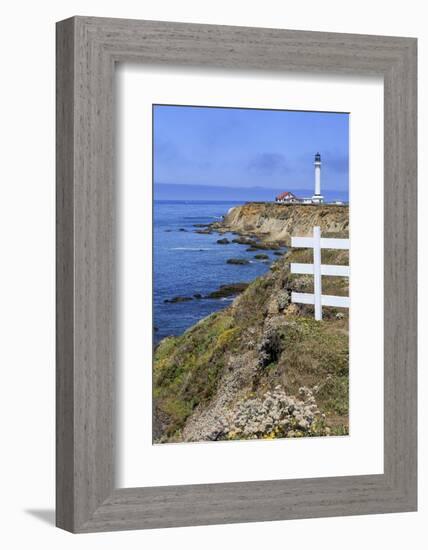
(187, 263)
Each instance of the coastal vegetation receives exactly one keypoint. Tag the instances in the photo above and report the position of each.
(262, 367)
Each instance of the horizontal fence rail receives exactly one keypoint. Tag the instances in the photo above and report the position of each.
(308, 269)
(317, 269)
(326, 299)
(308, 242)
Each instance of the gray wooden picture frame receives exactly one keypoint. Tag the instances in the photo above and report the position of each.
(87, 50)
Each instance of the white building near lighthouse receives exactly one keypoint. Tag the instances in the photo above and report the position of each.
(288, 197)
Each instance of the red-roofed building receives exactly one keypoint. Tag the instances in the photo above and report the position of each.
(287, 197)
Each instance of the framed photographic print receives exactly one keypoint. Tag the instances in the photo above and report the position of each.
(236, 274)
(230, 368)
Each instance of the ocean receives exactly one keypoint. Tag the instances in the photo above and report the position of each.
(188, 263)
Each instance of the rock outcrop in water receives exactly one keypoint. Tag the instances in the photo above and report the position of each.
(228, 290)
(237, 261)
(262, 367)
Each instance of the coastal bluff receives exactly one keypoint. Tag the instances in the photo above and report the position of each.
(279, 222)
(261, 368)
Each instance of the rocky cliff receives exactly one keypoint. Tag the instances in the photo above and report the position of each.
(261, 368)
(278, 222)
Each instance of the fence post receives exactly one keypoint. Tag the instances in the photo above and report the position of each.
(317, 273)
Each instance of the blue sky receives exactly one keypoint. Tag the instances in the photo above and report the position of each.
(247, 148)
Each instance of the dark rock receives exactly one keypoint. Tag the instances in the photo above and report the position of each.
(265, 246)
(278, 253)
(216, 434)
(270, 348)
(228, 290)
(223, 241)
(178, 299)
(201, 225)
(203, 231)
(244, 240)
(261, 257)
(168, 230)
(197, 296)
(182, 229)
(237, 261)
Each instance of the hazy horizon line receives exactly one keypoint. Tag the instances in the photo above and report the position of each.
(329, 189)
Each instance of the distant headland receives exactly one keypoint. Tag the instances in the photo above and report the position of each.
(302, 194)
(195, 192)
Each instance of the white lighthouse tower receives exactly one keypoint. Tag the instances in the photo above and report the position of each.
(317, 197)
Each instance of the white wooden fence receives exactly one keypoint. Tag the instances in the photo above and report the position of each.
(317, 269)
